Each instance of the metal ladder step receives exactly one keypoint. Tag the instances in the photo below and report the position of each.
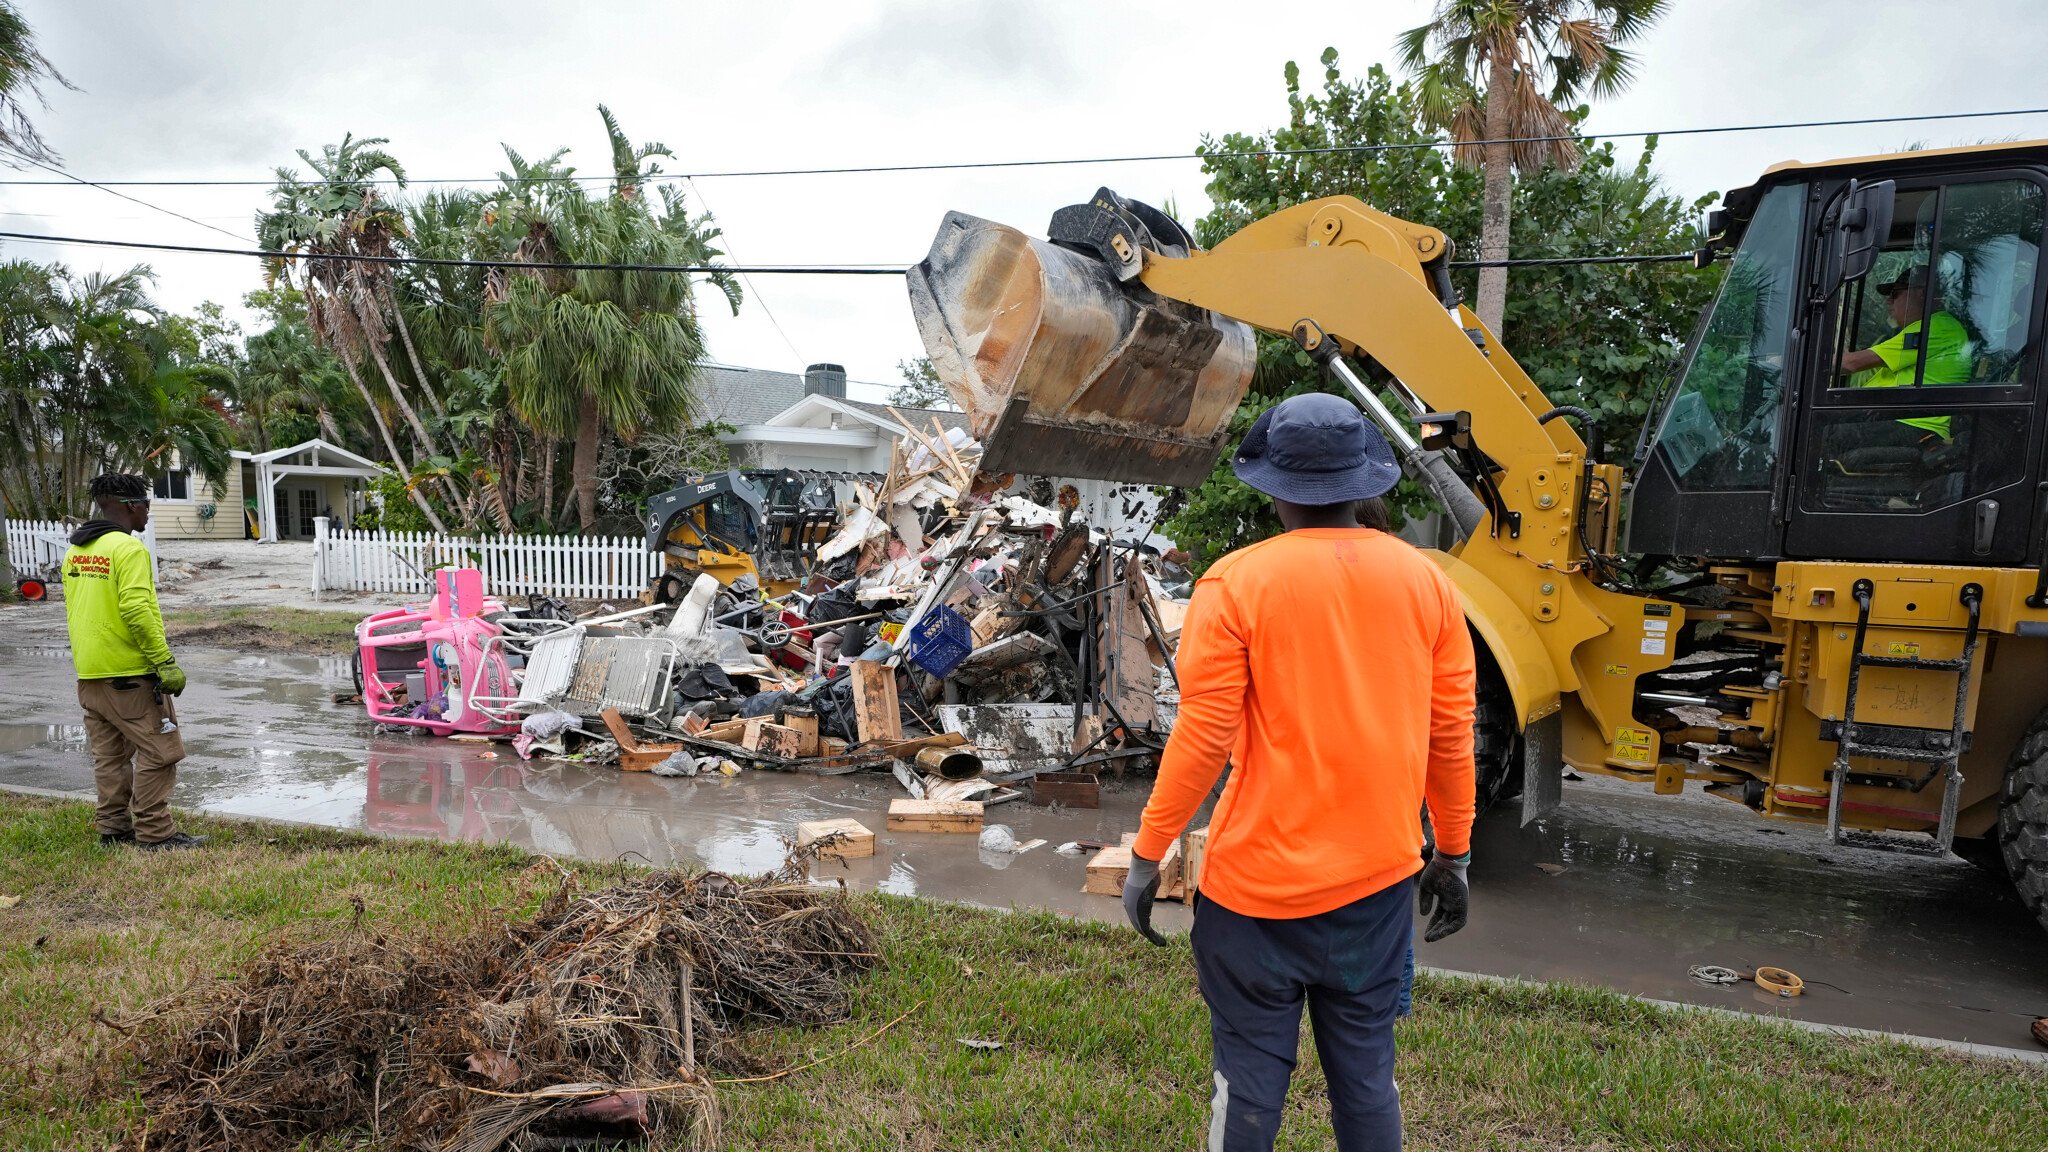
(1892, 842)
(1946, 758)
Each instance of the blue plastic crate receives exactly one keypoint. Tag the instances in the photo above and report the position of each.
(940, 641)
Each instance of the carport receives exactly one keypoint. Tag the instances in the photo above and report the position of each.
(292, 486)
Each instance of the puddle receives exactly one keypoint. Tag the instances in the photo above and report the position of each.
(1617, 888)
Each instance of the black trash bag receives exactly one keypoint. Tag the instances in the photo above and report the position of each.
(765, 703)
(705, 682)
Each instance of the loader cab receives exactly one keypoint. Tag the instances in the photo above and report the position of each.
(1895, 415)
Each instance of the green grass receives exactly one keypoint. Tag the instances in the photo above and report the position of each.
(271, 628)
(1105, 1038)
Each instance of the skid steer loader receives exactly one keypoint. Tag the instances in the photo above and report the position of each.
(1830, 602)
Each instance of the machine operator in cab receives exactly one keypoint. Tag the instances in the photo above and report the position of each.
(1895, 361)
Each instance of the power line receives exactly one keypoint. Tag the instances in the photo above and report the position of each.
(449, 262)
(748, 281)
(736, 269)
(1121, 159)
(123, 195)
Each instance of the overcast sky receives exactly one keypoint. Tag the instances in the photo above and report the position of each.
(228, 89)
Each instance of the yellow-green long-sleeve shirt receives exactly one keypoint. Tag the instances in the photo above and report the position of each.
(110, 605)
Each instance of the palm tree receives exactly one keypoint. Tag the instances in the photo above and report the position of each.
(31, 307)
(1497, 71)
(23, 69)
(591, 351)
(347, 301)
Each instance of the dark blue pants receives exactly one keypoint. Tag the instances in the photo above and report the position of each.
(1348, 965)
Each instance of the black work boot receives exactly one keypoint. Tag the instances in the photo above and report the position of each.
(173, 841)
(116, 839)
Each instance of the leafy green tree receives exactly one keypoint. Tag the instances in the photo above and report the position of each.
(348, 303)
(921, 387)
(1601, 336)
(23, 69)
(591, 352)
(1499, 71)
(93, 375)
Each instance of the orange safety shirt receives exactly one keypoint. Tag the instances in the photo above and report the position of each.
(1332, 666)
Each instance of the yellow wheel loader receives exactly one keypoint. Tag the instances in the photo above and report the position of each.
(1830, 603)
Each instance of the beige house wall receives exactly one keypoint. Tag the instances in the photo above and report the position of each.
(180, 519)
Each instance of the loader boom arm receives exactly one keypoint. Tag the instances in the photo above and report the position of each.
(1359, 275)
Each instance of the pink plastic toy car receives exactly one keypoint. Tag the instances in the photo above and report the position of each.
(421, 666)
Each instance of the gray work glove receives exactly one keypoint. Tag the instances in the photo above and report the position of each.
(1441, 889)
(170, 678)
(1141, 887)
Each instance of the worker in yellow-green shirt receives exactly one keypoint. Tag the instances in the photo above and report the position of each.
(1895, 361)
(126, 674)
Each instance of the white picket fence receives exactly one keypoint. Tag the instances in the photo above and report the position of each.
(36, 547)
(403, 563)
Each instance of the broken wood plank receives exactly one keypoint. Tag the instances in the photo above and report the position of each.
(1106, 872)
(725, 731)
(779, 741)
(694, 724)
(805, 721)
(1198, 847)
(750, 736)
(935, 816)
(845, 837)
(1071, 789)
(876, 713)
(633, 755)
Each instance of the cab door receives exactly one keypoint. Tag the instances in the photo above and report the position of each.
(1920, 433)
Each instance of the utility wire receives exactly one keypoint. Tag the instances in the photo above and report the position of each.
(1124, 159)
(123, 195)
(448, 262)
(748, 280)
(736, 269)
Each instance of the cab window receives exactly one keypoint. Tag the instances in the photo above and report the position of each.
(1948, 300)
(1720, 432)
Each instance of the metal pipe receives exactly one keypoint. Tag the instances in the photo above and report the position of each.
(1678, 698)
(1370, 401)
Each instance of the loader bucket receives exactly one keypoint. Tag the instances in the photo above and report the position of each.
(1064, 371)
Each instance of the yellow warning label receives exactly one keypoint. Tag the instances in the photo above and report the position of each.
(1902, 648)
(1617, 669)
(1633, 745)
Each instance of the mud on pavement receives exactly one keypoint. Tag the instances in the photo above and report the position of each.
(1614, 889)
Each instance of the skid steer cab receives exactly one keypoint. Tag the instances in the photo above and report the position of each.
(1829, 603)
(763, 525)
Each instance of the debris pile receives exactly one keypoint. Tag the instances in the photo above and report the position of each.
(965, 629)
(596, 1020)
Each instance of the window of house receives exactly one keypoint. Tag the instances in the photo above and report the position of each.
(175, 484)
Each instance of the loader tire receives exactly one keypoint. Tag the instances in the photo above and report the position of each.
(1496, 743)
(2023, 819)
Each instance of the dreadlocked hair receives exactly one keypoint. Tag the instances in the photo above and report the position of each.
(118, 486)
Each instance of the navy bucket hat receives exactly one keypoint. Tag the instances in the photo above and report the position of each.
(1315, 449)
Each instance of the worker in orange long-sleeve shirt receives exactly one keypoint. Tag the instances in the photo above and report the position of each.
(1333, 665)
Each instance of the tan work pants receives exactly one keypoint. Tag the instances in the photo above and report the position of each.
(135, 762)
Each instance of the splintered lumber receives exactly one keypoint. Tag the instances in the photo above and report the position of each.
(726, 731)
(935, 816)
(750, 734)
(1198, 846)
(633, 755)
(876, 712)
(805, 722)
(845, 837)
(1106, 872)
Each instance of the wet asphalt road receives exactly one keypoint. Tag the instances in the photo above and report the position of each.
(1634, 888)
